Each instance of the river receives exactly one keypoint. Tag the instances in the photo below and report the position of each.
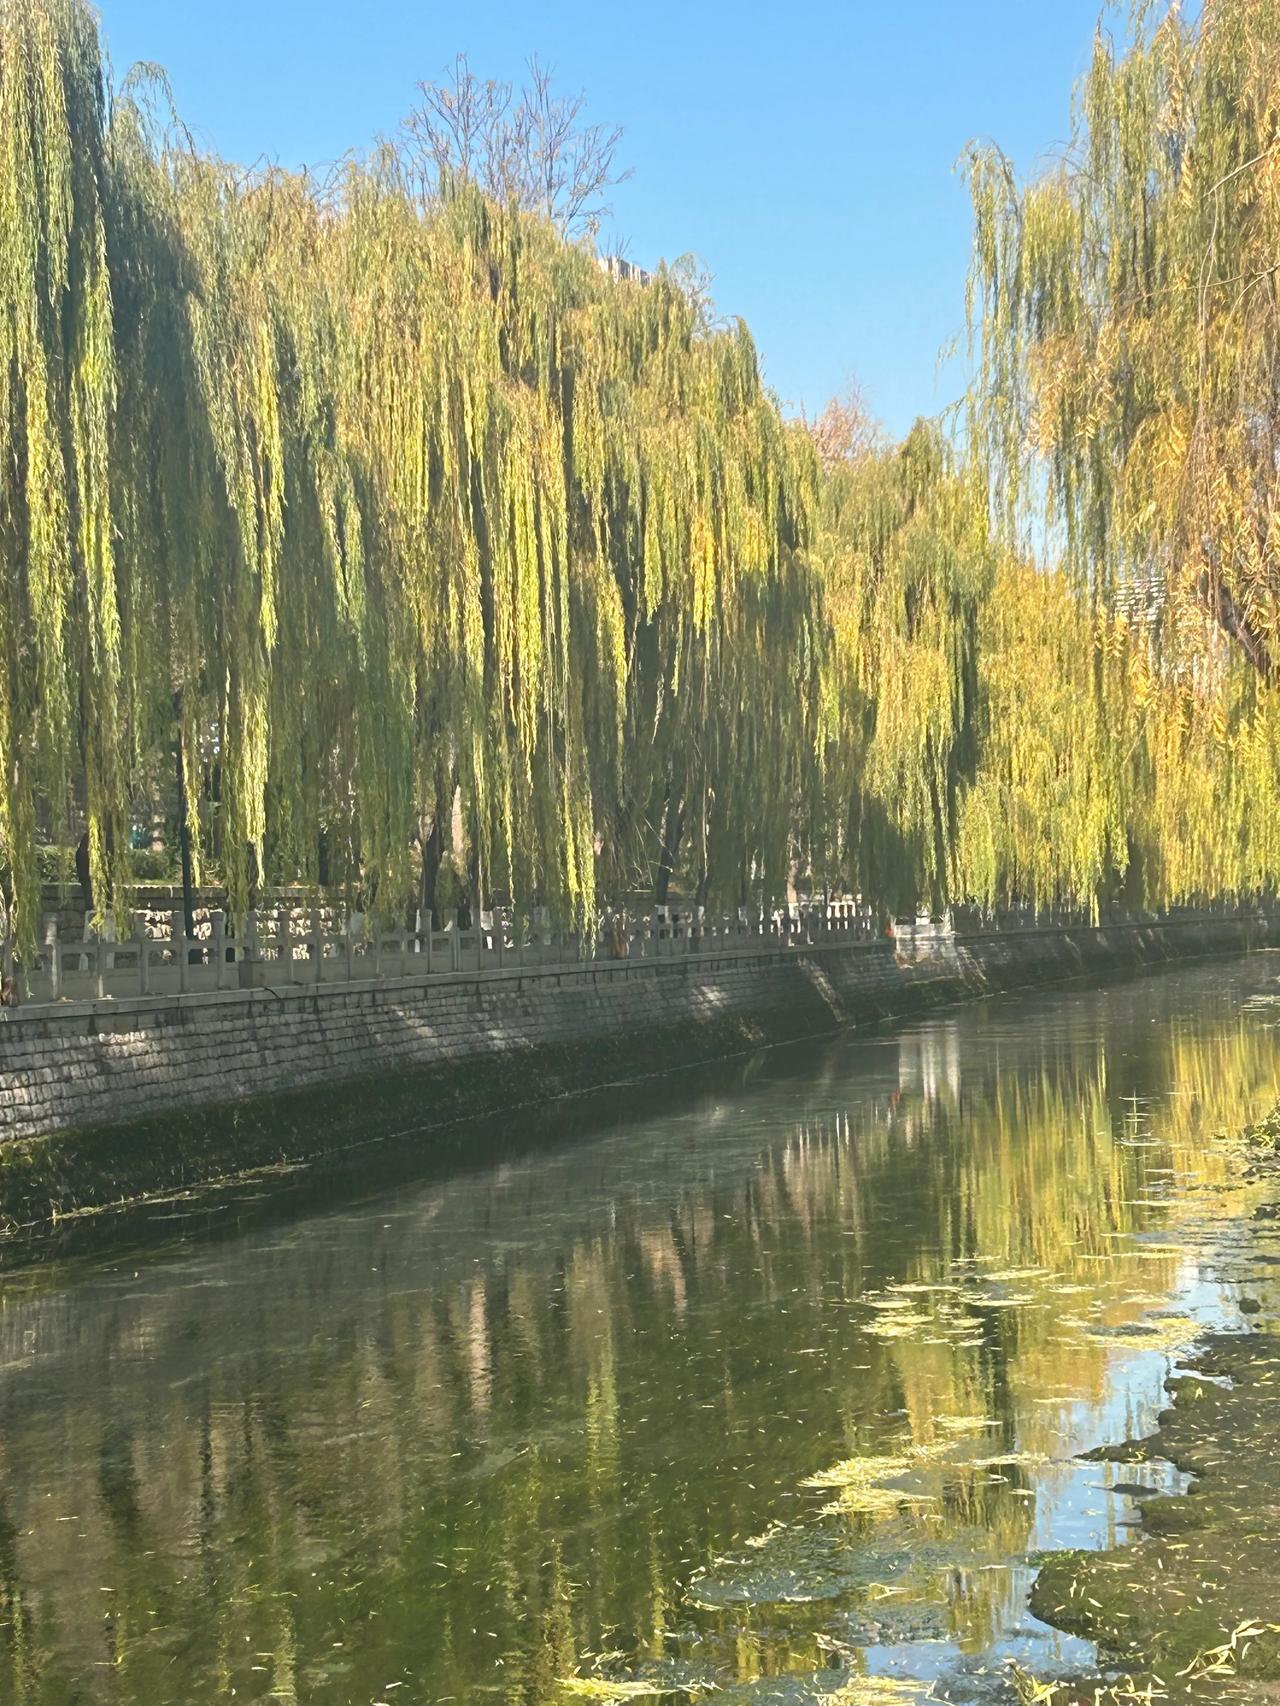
(769, 1379)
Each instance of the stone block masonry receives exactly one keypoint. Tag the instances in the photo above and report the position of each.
(108, 1100)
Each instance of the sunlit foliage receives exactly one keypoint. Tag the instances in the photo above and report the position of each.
(1125, 312)
(1123, 308)
(62, 691)
(439, 564)
(908, 567)
(397, 514)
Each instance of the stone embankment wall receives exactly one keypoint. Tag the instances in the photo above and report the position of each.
(100, 1100)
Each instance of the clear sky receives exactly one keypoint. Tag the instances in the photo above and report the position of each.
(805, 152)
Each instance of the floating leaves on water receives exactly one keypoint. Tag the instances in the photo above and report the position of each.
(595, 1688)
(1013, 1459)
(602, 1689)
(1160, 1333)
(877, 1691)
(1033, 1691)
(861, 1483)
(898, 1326)
(875, 1501)
(827, 1688)
(759, 1540)
(801, 1565)
(965, 1424)
(1224, 1660)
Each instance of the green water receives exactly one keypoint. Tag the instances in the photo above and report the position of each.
(578, 1409)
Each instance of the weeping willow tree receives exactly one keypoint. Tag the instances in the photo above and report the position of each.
(908, 564)
(392, 521)
(1124, 311)
(66, 690)
(997, 733)
(590, 528)
(725, 632)
(1202, 810)
(1126, 315)
(1045, 821)
(1106, 771)
(427, 561)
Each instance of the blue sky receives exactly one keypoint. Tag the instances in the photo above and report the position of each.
(805, 152)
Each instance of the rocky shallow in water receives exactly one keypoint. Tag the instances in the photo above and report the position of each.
(1192, 1610)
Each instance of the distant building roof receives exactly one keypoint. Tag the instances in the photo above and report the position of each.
(618, 268)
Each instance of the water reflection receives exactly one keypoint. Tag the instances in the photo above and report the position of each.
(774, 1389)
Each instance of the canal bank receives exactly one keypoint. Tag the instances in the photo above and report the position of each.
(102, 1102)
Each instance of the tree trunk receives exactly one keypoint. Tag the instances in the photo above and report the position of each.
(672, 832)
(84, 876)
(184, 829)
(1229, 618)
(432, 855)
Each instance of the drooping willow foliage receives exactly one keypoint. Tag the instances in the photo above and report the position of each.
(909, 567)
(401, 523)
(1125, 317)
(1109, 771)
(63, 711)
(1126, 313)
(1047, 817)
(427, 560)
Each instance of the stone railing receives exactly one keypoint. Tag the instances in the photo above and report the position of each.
(290, 946)
(294, 948)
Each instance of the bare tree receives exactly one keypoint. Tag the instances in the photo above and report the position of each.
(845, 431)
(696, 280)
(528, 145)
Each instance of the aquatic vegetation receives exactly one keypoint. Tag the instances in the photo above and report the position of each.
(876, 1691)
(600, 1689)
(1032, 1691)
(1193, 1603)
(861, 1483)
(1154, 1332)
(536, 1457)
(897, 1326)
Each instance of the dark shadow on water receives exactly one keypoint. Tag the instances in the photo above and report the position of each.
(381, 1166)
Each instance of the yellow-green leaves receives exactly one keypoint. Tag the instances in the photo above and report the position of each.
(65, 703)
(432, 548)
